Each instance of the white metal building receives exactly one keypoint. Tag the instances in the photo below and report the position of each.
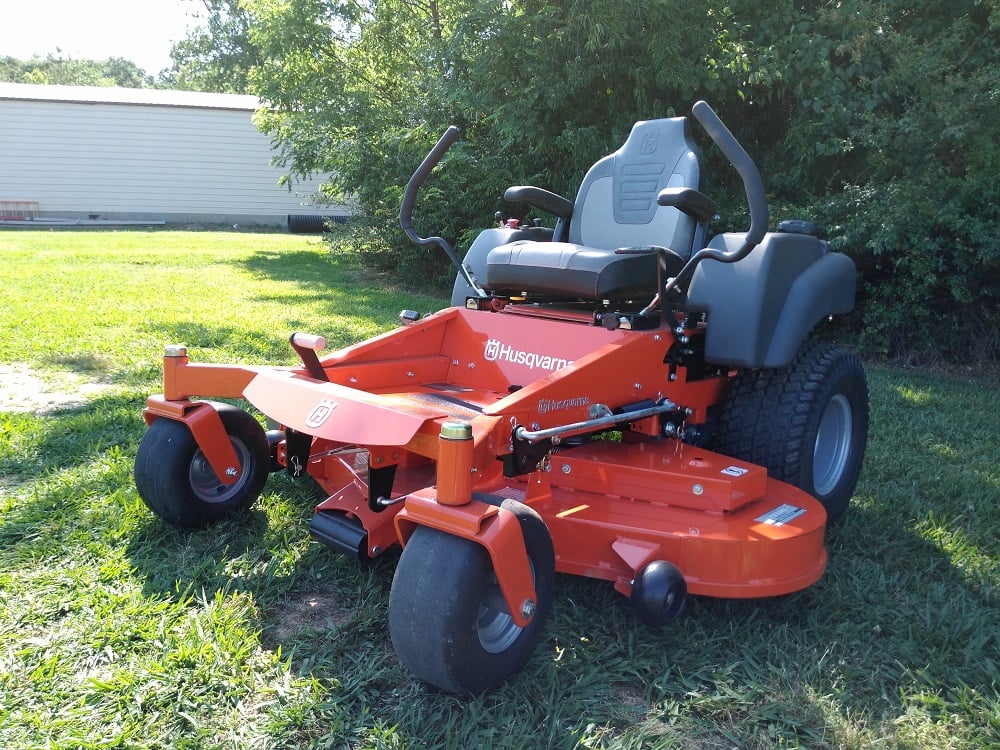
(82, 152)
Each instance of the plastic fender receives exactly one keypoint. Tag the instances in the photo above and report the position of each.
(762, 306)
(825, 288)
(476, 257)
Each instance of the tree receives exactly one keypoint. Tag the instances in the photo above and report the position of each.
(877, 118)
(892, 139)
(217, 56)
(540, 89)
(55, 69)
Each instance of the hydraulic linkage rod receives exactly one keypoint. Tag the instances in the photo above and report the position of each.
(608, 419)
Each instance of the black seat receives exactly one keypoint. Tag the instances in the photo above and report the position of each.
(563, 269)
(615, 209)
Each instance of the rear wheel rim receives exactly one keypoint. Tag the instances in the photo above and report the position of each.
(207, 486)
(832, 449)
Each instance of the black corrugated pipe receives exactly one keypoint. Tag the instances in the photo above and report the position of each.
(311, 223)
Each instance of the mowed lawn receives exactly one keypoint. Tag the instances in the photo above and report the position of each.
(118, 631)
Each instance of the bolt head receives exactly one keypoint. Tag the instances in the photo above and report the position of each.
(528, 608)
(232, 471)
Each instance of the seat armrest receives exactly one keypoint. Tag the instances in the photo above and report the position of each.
(690, 201)
(540, 198)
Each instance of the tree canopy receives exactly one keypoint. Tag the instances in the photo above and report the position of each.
(876, 118)
(56, 69)
(217, 55)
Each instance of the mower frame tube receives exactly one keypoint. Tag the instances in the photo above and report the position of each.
(753, 186)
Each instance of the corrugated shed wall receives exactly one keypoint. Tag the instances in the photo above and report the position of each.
(125, 159)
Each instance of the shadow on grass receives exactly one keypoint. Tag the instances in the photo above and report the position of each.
(316, 270)
(336, 279)
(301, 589)
(38, 444)
(320, 293)
(216, 343)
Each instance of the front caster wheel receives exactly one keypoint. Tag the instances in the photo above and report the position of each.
(176, 481)
(447, 618)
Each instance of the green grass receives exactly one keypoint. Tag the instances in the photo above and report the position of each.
(119, 631)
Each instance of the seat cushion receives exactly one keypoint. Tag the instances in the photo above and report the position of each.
(565, 269)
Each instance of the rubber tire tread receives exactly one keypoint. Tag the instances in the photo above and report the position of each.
(771, 416)
(434, 601)
(163, 461)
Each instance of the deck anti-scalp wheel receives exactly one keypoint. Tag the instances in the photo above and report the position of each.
(806, 423)
(448, 620)
(659, 593)
(176, 481)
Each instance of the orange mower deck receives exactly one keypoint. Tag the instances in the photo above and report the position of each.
(611, 507)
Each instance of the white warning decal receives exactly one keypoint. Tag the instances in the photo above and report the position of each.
(781, 515)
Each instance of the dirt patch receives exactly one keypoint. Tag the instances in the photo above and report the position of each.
(23, 389)
(307, 613)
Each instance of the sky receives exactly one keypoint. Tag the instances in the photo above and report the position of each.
(142, 31)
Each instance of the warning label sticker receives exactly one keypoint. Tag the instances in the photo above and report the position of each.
(781, 515)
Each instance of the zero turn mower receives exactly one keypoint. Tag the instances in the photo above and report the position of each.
(616, 396)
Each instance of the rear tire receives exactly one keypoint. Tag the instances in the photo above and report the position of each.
(806, 423)
(176, 481)
(447, 618)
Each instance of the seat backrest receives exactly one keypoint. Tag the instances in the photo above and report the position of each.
(616, 205)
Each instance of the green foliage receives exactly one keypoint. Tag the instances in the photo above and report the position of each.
(55, 69)
(929, 261)
(540, 90)
(877, 118)
(215, 56)
(889, 136)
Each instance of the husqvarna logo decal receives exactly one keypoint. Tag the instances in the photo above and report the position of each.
(545, 405)
(320, 413)
(497, 351)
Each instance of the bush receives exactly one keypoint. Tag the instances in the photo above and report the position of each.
(929, 263)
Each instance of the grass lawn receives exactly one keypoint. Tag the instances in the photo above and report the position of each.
(118, 631)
